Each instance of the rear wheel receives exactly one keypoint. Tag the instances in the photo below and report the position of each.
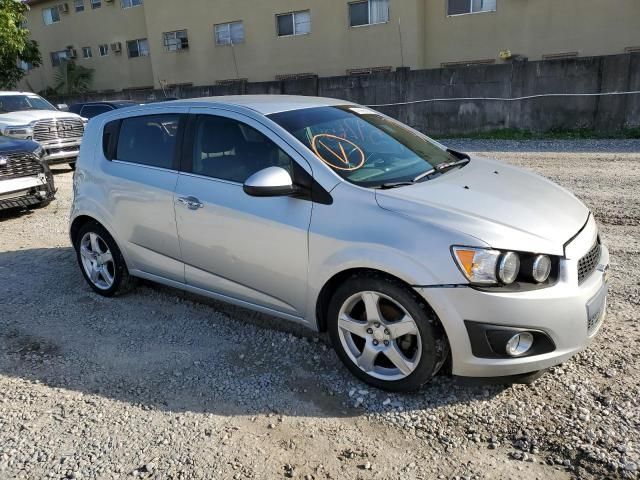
(385, 334)
(101, 261)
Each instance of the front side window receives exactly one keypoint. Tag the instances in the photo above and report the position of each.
(19, 103)
(50, 15)
(96, 4)
(148, 140)
(460, 7)
(131, 3)
(294, 23)
(138, 48)
(230, 150)
(103, 49)
(175, 41)
(86, 52)
(362, 146)
(230, 33)
(90, 111)
(79, 6)
(368, 12)
(58, 57)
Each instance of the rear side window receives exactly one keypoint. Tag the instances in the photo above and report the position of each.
(148, 140)
(90, 111)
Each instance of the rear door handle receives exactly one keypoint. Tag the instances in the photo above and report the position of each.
(192, 203)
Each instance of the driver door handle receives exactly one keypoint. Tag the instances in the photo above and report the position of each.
(192, 203)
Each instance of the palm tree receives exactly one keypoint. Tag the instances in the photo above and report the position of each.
(72, 78)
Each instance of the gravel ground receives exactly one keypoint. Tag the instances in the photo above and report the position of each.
(162, 384)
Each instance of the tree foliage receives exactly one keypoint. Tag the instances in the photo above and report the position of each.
(15, 44)
(72, 78)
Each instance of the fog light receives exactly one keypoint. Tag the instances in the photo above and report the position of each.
(519, 344)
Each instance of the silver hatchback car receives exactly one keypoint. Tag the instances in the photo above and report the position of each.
(336, 216)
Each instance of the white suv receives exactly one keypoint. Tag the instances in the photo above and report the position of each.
(27, 116)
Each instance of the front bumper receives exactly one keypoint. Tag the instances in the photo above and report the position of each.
(26, 192)
(61, 151)
(559, 311)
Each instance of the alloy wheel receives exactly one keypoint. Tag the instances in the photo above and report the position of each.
(97, 260)
(379, 335)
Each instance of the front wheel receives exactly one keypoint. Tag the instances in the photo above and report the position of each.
(385, 334)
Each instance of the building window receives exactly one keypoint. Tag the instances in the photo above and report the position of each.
(103, 49)
(25, 66)
(96, 4)
(50, 15)
(79, 4)
(58, 57)
(86, 52)
(461, 7)
(368, 12)
(230, 33)
(294, 23)
(175, 41)
(131, 3)
(138, 48)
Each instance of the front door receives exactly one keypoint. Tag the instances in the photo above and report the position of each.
(249, 248)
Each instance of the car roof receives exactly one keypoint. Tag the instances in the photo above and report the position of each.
(268, 104)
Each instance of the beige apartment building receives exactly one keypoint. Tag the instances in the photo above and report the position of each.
(134, 44)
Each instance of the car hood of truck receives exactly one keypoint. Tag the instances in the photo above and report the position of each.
(502, 206)
(25, 117)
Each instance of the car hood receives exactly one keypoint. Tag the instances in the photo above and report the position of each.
(8, 145)
(502, 206)
(27, 116)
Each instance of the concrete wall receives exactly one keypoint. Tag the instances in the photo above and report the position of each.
(582, 75)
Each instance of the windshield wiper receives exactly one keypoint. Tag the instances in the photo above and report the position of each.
(441, 168)
(389, 185)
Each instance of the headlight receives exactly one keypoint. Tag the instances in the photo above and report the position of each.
(18, 131)
(541, 268)
(485, 266)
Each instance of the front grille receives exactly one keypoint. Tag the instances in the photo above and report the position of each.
(58, 129)
(19, 165)
(589, 262)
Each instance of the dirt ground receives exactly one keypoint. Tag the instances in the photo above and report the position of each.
(161, 384)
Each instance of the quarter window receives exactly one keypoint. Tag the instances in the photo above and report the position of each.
(294, 23)
(138, 48)
(79, 5)
(50, 15)
(58, 57)
(131, 3)
(96, 4)
(230, 33)
(368, 12)
(175, 41)
(230, 150)
(460, 7)
(148, 140)
(103, 49)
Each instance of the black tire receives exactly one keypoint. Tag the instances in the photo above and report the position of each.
(122, 281)
(435, 349)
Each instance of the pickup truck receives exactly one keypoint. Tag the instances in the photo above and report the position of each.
(27, 116)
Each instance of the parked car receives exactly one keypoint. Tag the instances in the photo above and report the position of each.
(25, 179)
(91, 109)
(25, 115)
(335, 216)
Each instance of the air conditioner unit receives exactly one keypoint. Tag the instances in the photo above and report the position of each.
(72, 53)
(63, 8)
(116, 47)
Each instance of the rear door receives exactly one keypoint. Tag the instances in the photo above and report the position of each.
(248, 248)
(143, 171)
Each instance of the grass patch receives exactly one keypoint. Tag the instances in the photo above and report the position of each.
(516, 134)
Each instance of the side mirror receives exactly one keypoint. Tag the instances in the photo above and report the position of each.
(63, 107)
(269, 182)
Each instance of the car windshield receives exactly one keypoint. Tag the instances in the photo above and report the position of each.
(363, 146)
(18, 103)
